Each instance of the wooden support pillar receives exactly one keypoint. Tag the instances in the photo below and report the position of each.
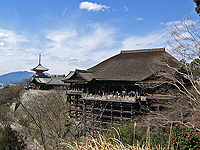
(84, 116)
(111, 112)
(132, 113)
(121, 111)
(101, 124)
(76, 112)
(70, 107)
(93, 118)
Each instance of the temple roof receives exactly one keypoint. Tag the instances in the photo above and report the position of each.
(134, 64)
(130, 65)
(56, 81)
(42, 80)
(39, 67)
(49, 80)
(79, 75)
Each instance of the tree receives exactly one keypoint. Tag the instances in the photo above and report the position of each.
(195, 64)
(197, 8)
(46, 117)
(6, 115)
(11, 140)
(185, 44)
(185, 39)
(9, 94)
(181, 85)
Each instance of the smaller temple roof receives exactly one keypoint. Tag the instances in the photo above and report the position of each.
(83, 75)
(42, 80)
(71, 73)
(56, 81)
(39, 68)
(49, 80)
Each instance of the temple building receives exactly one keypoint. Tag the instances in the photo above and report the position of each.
(143, 71)
(41, 81)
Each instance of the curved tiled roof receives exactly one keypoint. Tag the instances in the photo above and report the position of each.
(84, 75)
(40, 68)
(134, 65)
(43, 80)
(56, 81)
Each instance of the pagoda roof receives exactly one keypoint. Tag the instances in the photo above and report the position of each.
(39, 67)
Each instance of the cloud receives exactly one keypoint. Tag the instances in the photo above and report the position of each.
(83, 64)
(64, 12)
(14, 48)
(78, 48)
(172, 23)
(2, 43)
(93, 6)
(3, 35)
(139, 19)
(180, 26)
(9, 55)
(60, 37)
(125, 8)
(11, 40)
(77, 42)
(33, 50)
(178, 22)
(66, 48)
(58, 58)
(152, 40)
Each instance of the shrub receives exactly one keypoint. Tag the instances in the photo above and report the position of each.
(185, 138)
(131, 134)
(11, 140)
(128, 134)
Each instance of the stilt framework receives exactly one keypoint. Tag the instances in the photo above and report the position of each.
(97, 113)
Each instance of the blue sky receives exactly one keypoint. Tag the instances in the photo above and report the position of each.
(73, 34)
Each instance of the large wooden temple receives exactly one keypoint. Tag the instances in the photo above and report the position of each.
(129, 71)
(124, 86)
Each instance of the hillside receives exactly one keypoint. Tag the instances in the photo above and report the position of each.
(14, 77)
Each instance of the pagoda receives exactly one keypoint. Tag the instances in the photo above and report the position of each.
(41, 81)
(39, 69)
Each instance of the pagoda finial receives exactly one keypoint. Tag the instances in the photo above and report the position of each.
(40, 59)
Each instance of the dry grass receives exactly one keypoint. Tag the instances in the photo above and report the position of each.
(100, 143)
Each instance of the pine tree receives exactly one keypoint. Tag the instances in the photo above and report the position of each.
(11, 140)
(197, 8)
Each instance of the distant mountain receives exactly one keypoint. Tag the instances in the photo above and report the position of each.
(14, 77)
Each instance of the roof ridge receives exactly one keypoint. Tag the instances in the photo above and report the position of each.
(91, 68)
(83, 71)
(42, 68)
(142, 50)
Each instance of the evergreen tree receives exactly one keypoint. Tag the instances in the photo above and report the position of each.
(195, 64)
(197, 8)
(11, 140)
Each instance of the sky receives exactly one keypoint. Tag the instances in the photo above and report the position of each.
(74, 34)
